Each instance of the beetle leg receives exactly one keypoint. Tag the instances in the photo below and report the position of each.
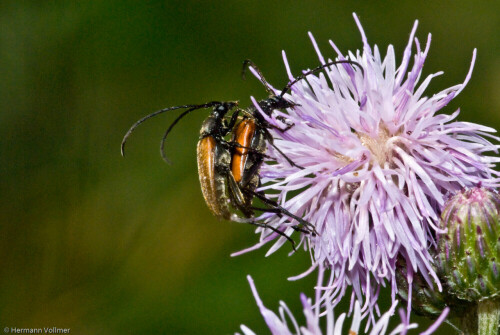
(277, 231)
(253, 171)
(274, 204)
(229, 126)
(270, 139)
(279, 213)
(239, 199)
(286, 157)
(241, 204)
(285, 121)
(250, 150)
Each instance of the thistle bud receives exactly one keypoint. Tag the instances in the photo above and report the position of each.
(469, 252)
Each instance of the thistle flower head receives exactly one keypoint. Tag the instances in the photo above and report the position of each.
(379, 161)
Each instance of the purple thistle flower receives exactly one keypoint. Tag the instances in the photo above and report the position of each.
(379, 163)
(279, 325)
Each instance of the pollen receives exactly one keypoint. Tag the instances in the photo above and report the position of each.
(378, 145)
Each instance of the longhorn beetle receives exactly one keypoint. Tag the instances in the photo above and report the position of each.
(229, 169)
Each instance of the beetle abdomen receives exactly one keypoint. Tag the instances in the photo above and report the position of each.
(243, 136)
(213, 184)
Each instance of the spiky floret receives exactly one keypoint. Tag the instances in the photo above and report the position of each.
(379, 162)
(286, 324)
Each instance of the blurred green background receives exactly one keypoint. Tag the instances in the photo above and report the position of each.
(106, 245)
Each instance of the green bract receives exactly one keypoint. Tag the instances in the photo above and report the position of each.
(426, 298)
(469, 251)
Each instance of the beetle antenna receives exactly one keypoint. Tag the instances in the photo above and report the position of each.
(164, 138)
(316, 69)
(135, 125)
(248, 63)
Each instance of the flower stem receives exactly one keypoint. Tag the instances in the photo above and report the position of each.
(467, 323)
(488, 312)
